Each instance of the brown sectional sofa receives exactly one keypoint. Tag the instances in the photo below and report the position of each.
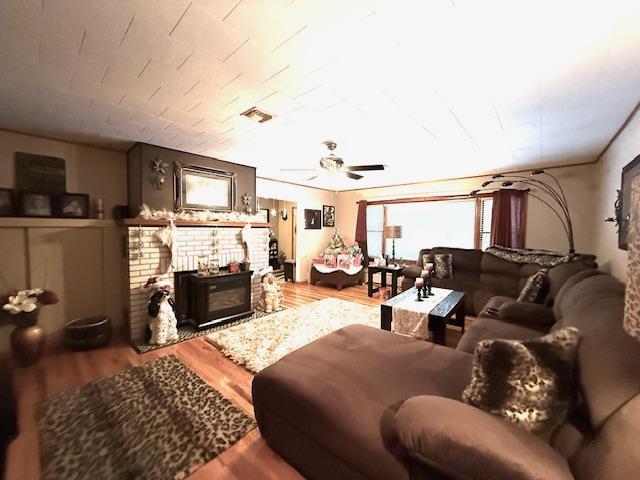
(365, 403)
(480, 275)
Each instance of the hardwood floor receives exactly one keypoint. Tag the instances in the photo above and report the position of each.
(60, 370)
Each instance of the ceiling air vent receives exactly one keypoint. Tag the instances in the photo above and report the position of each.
(256, 115)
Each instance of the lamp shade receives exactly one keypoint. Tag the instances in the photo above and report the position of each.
(631, 315)
(392, 231)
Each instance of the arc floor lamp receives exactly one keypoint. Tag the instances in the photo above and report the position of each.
(552, 194)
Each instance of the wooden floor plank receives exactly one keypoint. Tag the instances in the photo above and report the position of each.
(62, 370)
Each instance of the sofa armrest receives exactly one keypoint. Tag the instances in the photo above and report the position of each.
(412, 271)
(527, 312)
(462, 441)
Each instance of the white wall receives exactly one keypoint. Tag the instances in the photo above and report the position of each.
(309, 243)
(608, 174)
(543, 228)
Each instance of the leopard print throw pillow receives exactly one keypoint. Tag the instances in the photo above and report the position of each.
(535, 289)
(532, 383)
(442, 264)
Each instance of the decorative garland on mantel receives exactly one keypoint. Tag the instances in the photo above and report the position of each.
(199, 215)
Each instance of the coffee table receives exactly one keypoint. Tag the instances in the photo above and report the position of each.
(439, 316)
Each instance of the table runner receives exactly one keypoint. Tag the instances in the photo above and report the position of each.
(411, 317)
(349, 271)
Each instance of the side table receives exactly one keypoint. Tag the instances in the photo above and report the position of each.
(395, 273)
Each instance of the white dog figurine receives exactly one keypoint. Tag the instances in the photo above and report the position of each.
(271, 293)
(162, 319)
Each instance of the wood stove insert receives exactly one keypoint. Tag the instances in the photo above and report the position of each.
(205, 301)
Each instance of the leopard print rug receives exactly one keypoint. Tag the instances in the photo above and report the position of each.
(156, 421)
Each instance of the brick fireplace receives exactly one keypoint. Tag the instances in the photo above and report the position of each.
(148, 257)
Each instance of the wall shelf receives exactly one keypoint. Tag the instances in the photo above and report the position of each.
(141, 222)
(26, 222)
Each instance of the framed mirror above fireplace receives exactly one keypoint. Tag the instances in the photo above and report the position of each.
(198, 188)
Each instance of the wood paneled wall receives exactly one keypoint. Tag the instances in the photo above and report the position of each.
(82, 263)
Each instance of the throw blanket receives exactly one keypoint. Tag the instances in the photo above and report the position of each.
(544, 258)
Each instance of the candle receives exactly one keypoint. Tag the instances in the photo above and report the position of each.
(429, 266)
(419, 282)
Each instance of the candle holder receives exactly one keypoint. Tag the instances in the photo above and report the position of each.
(419, 284)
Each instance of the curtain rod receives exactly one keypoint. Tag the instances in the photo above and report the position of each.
(427, 198)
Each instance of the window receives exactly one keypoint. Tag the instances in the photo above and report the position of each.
(486, 205)
(461, 223)
(375, 221)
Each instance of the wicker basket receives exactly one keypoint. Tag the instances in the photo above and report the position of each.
(87, 333)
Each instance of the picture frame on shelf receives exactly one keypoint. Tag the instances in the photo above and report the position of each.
(312, 219)
(36, 204)
(73, 205)
(328, 216)
(629, 172)
(7, 205)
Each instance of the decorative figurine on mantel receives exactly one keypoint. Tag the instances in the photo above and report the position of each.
(162, 317)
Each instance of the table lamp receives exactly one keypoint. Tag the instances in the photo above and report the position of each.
(393, 232)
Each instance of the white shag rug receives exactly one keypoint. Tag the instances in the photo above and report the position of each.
(259, 343)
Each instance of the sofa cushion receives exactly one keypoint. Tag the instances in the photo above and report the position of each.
(464, 442)
(608, 356)
(530, 383)
(558, 305)
(442, 264)
(535, 288)
(527, 313)
(339, 389)
(485, 328)
(614, 452)
(560, 274)
(466, 260)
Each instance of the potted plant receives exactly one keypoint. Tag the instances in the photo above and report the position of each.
(21, 308)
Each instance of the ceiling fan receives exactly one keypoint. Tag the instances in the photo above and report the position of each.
(335, 165)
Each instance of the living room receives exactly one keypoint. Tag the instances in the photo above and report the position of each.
(298, 239)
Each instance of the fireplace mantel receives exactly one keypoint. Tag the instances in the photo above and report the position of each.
(141, 222)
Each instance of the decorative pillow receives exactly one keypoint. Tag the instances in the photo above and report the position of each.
(535, 289)
(442, 264)
(531, 382)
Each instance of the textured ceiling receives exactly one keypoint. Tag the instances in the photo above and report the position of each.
(433, 89)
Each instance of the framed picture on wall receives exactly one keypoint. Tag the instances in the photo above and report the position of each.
(312, 219)
(73, 205)
(623, 205)
(36, 204)
(328, 216)
(7, 208)
(266, 214)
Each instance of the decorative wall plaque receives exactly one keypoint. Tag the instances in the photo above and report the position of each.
(40, 173)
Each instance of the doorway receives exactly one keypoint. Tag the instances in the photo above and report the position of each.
(282, 216)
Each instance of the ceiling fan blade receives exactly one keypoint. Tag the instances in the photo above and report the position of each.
(365, 168)
(312, 178)
(355, 176)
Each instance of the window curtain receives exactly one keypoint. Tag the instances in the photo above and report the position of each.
(509, 218)
(361, 229)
